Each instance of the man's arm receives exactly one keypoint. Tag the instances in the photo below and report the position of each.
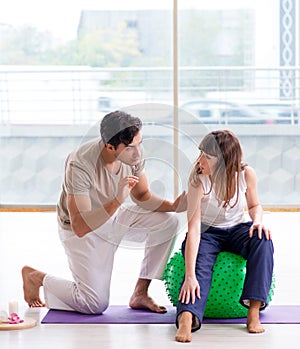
(83, 219)
(143, 197)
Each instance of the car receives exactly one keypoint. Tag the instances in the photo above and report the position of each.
(283, 113)
(209, 111)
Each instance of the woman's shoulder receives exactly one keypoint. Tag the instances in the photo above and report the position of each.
(204, 183)
(248, 169)
(250, 174)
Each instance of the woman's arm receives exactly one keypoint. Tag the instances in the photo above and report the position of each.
(143, 197)
(254, 208)
(190, 288)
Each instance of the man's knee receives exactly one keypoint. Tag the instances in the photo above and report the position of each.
(167, 230)
(96, 306)
(171, 220)
(92, 301)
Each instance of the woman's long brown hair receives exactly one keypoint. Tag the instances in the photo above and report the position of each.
(225, 177)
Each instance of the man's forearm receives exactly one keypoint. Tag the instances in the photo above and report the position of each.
(85, 222)
(152, 202)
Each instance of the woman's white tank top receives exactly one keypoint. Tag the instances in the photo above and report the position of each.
(212, 211)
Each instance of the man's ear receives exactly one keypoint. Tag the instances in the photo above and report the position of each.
(109, 147)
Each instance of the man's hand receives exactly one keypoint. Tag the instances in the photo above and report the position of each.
(180, 204)
(124, 187)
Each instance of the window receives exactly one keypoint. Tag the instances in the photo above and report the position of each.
(58, 78)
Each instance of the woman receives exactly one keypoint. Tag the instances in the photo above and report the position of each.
(220, 186)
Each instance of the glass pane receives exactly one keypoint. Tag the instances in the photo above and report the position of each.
(239, 70)
(63, 66)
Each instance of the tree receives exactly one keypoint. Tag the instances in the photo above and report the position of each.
(102, 48)
(24, 45)
(98, 48)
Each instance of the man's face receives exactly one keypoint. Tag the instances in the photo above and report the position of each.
(132, 153)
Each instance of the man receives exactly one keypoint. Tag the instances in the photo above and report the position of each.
(99, 176)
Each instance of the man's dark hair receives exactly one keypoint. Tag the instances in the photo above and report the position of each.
(119, 127)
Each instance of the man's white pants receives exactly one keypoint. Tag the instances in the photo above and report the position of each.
(91, 257)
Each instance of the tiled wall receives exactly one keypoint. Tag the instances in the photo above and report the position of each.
(32, 166)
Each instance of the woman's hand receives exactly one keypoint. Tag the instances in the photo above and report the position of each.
(189, 290)
(260, 230)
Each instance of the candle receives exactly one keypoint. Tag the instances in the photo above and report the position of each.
(13, 307)
(3, 316)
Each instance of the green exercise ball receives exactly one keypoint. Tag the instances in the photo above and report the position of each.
(226, 288)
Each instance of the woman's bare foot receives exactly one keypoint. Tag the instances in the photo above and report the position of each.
(255, 327)
(253, 322)
(184, 332)
(141, 300)
(32, 281)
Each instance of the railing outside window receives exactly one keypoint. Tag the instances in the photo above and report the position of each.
(79, 95)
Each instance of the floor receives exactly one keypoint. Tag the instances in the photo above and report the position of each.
(30, 238)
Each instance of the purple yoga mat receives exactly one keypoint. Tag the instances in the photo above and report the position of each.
(121, 314)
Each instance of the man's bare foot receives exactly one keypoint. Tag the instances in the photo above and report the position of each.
(141, 300)
(253, 322)
(32, 281)
(146, 302)
(184, 332)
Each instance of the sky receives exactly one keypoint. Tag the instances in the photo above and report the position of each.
(61, 17)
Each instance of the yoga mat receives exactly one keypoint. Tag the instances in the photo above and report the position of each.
(121, 314)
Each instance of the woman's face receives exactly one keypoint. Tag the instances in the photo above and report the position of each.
(206, 162)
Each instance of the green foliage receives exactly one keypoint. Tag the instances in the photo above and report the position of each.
(97, 48)
(25, 45)
(102, 48)
(205, 38)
